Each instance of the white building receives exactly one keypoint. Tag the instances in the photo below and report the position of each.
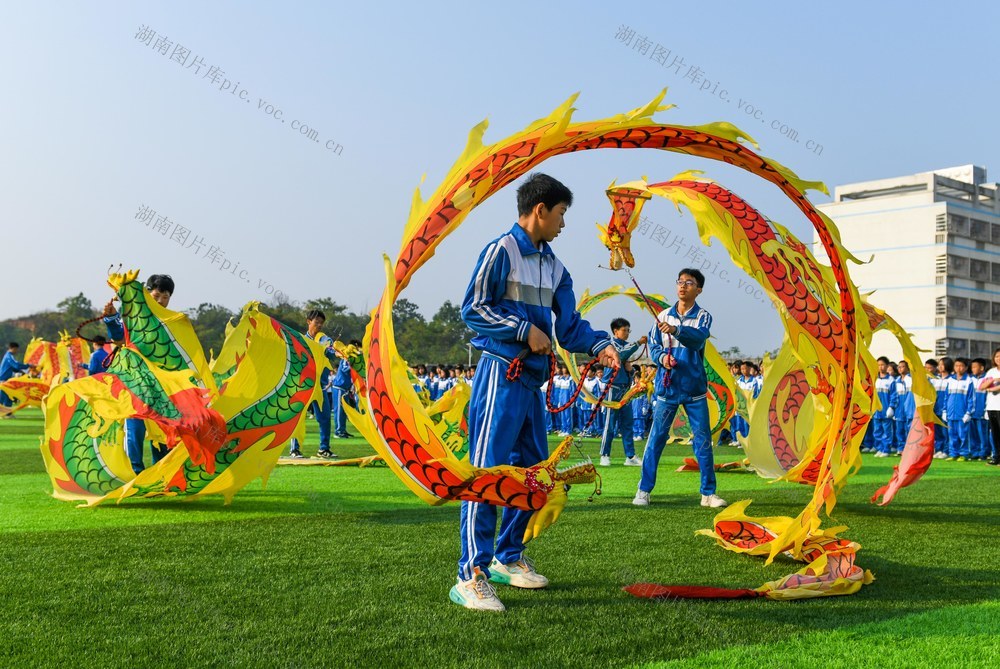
(935, 242)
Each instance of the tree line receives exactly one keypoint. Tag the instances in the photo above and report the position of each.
(442, 339)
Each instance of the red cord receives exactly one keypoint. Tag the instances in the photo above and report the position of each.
(517, 366)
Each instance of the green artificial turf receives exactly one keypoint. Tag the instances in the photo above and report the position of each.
(338, 567)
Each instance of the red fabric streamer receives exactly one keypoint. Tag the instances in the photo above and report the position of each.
(656, 591)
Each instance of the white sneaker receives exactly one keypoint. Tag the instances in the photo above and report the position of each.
(605, 460)
(713, 501)
(476, 593)
(641, 498)
(633, 462)
(881, 454)
(520, 574)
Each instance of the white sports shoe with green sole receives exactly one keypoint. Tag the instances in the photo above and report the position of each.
(476, 593)
(520, 574)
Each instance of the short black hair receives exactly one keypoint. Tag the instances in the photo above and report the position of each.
(949, 364)
(981, 361)
(964, 361)
(160, 282)
(99, 340)
(695, 274)
(932, 361)
(542, 188)
(619, 323)
(884, 359)
(315, 313)
(13, 344)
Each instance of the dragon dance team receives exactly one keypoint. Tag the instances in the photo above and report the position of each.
(519, 294)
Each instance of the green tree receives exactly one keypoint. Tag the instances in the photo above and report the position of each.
(209, 321)
(450, 335)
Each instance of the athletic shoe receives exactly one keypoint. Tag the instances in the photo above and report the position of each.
(476, 593)
(713, 501)
(961, 458)
(898, 454)
(296, 455)
(520, 574)
(633, 462)
(326, 454)
(951, 459)
(881, 454)
(343, 435)
(940, 455)
(605, 461)
(641, 498)
(993, 461)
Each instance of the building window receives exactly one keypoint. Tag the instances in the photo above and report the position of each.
(980, 310)
(958, 265)
(995, 233)
(979, 270)
(941, 305)
(979, 348)
(958, 307)
(979, 230)
(958, 225)
(995, 312)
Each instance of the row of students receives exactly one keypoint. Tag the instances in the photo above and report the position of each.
(962, 404)
(438, 380)
(890, 424)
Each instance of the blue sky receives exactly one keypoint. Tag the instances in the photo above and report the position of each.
(96, 124)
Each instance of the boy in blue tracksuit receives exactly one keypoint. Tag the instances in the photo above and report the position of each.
(939, 372)
(958, 410)
(161, 289)
(885, 390)
(592, 385)
(563, 389)
(342, 392)
(905, 406)
(979, 427)
(517, 287)
(9, 367)
(315, 320)
(616, 420)
(570, 423)
(677, 345)
(97, 358)
(640, 411)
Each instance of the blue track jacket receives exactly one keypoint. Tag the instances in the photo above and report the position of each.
(687, 380)
(515, 286)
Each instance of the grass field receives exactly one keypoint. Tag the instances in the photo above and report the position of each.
(338, 567)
